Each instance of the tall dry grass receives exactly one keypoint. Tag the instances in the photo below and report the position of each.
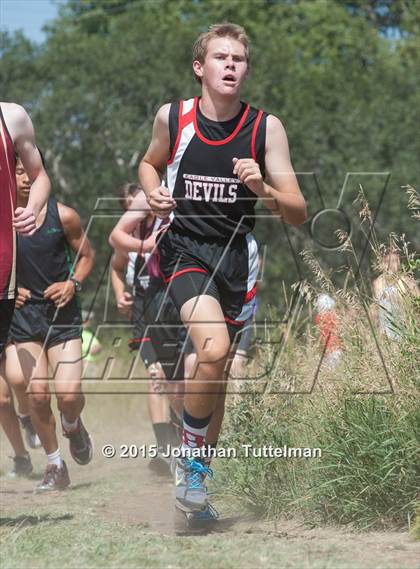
(363, 413)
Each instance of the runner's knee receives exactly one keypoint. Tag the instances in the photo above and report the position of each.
(17, 381)
(66, 400)
(214, 351)
(39, 399)
(5, 401)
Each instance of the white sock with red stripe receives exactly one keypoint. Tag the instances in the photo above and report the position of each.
(194, 432)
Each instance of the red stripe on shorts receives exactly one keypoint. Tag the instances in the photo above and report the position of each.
(183, 271)
(234, 322)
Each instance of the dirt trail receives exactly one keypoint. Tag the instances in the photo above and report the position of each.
(125, 491)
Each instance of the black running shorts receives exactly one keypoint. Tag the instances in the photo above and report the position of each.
(6, 314)
(165, 330)
(157, 330)
(137, 320)
(224, 269)
(41, 321)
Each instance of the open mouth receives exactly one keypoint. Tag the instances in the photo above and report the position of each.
(229, 78)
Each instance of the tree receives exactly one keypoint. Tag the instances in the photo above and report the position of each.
(345, 89)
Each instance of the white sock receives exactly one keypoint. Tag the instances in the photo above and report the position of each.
(55, 458)
(69, 427)
(193, 433)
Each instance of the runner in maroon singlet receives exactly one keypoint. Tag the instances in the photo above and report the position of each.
(16, 137)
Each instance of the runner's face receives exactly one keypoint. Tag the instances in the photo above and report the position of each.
(225, 66)
(22, 181)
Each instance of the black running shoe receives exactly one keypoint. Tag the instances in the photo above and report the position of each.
(80, 444)
(55, 478)
(30, 434)
(22, 467)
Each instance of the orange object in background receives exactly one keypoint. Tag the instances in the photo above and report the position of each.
(327, 325)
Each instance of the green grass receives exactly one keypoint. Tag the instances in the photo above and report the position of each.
(370, 472)
(363, 414)
(73, 537)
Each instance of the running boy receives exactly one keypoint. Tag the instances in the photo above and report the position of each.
(221, 155)
(46, 328)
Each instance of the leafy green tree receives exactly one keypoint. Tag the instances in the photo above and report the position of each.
(342, 76)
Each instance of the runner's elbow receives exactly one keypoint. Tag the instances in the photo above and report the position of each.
(111, 240)
(298, 216)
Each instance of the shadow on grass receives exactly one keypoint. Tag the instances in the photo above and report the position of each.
(33, 520)
(81, 486)
(225, 524)
(71, 488)
(220, 526)
(36, 475)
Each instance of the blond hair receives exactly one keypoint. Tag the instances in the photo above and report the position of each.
(225, 30)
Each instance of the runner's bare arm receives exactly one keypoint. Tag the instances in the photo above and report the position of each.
(121, 237)
(119, 263)
(62, 292)
(280, 193)
(153, 166)
(22, 133)
(78, 241)
(377, 287)
(118, 266)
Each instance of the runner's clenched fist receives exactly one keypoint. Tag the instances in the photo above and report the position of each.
(248, 171)
(161, 202)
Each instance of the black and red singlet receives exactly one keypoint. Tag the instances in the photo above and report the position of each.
(211, 201)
